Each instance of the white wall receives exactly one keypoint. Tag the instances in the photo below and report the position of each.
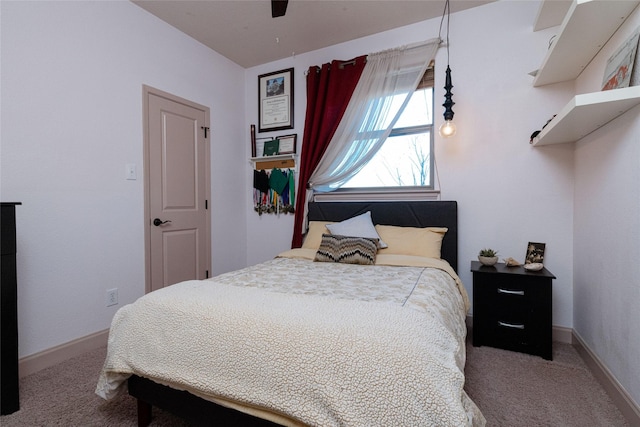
(72, 76)
(508, 192)
(607, 231)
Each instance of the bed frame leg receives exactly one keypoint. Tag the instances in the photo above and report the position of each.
(144, 413)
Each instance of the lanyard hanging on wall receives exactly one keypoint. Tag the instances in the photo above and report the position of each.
(274, 191)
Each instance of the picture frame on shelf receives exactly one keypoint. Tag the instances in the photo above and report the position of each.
(253, 141)
(259, 147)
(275, 101)
(535, 253)
(271, 147)
(287, 144)
(619, 70)
(635, 73)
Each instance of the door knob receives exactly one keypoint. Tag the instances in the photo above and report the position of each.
(158, 222)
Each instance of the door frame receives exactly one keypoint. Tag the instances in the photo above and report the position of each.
(146, 91)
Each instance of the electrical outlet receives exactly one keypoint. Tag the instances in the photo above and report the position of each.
(112, 297)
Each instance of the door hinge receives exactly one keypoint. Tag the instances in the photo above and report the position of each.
(206, 274)
(206, 129)
(206, 204)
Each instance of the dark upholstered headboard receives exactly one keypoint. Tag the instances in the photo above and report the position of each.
(405, 214)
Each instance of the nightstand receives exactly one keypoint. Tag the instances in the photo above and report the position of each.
(512, 308)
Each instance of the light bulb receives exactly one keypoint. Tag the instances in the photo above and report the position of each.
(447, 129)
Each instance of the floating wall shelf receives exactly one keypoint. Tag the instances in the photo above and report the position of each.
(551, 13)
(586, 113)
(588, 25)
(278, 161)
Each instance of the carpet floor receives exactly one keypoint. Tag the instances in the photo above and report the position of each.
(511, 389)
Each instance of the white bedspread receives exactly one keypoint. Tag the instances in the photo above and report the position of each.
(263, 338)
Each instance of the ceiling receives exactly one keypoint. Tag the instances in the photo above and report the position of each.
(245, 32)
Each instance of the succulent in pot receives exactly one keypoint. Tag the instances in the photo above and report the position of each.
(488, 256)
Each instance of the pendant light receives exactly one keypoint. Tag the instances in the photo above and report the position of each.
(448, 128)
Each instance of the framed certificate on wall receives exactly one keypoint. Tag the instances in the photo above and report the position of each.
(275, 101)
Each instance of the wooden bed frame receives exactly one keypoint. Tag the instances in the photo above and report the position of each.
(200, 412)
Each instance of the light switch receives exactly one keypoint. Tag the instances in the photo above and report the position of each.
(131, 171)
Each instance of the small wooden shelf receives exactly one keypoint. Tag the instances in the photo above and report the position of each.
(587, 26)
(586, 113)
(277, 161)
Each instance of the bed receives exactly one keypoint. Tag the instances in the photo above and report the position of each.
(371, 336)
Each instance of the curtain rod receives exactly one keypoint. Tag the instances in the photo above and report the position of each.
(415, 45)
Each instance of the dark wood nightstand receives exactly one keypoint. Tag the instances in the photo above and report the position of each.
(512, 308)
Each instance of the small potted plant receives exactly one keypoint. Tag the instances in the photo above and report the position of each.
(488, 256)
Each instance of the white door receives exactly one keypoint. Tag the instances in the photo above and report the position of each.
(177, 189)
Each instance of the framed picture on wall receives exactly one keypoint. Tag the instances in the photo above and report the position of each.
(275, 101)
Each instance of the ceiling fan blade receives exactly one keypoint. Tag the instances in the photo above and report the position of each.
(278, 8)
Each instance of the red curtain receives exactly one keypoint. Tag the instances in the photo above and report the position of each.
(329, 90)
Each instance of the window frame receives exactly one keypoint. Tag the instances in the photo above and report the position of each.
(405, 192)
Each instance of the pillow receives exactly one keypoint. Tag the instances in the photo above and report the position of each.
(425, 242)
(347, 250)
(314, 234)
(358, 226)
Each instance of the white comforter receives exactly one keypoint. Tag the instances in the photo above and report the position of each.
(300, 342)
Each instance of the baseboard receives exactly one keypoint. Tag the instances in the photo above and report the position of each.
(44, 359)
(562, 334)
(614, 389)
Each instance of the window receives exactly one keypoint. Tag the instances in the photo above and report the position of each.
(405, 159)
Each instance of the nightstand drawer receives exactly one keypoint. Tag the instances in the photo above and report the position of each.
(496, 293)
(504, 331)
(502, 300)
(517, 316)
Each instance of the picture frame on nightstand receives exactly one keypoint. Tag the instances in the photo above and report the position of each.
(535, 253)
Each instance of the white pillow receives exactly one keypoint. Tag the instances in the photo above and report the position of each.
(358, 226)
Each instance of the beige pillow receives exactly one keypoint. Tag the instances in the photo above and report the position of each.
(425, 242)
(313, 238)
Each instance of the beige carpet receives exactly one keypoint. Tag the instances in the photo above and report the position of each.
(515, 389)
(511, 389)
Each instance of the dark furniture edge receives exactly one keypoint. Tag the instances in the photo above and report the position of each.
(9, 377)
(195, 410)
(501, 268)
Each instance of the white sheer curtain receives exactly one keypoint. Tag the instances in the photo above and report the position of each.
(385, 86)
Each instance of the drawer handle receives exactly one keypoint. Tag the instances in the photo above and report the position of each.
(511, 325)
(507, 291)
